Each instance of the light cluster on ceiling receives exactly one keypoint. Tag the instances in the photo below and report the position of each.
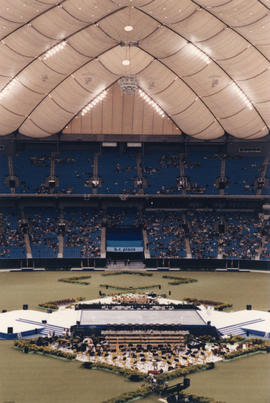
(54, 50)
(128, 28)
(244, 98)
(94, 102)
(152, 103)
(201, 55)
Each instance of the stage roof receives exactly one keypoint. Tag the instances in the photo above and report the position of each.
(205, 63)
(140, 317)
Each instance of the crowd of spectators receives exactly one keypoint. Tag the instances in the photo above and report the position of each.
(242, 237)
(11, 235)
(204, 234)
(166, 235)
(43, 231)
(82, 233)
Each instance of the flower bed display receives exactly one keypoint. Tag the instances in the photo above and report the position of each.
(60, 302)
(137, 273)
(75, 280)
(132, 375)
(28, 346)
(130, 289)
(218, 306)
(179, 280)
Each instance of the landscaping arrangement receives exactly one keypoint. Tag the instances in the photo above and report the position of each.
(55, 304)
(218, 306)
(179, 280)
(75, 280)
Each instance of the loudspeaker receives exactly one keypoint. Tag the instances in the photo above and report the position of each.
(249, 307)
(25, 307)
(4, 310)
(44, 321)
(12, 183)
(10, 330)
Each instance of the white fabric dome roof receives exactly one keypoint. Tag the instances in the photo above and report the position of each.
(206, 63)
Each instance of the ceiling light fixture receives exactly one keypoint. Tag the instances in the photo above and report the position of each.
(201, 55)
(94, 102)
(152, 103)
(126, 62)
(243, 96)
(128, 28)
(54, 50)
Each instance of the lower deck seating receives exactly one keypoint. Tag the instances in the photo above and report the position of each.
(43, 232)
(242, 236)
(204, 236)
(166, 237)
(11, 234)
(122, 217)
(83, 233)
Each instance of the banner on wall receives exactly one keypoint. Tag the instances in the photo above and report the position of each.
(125, 249)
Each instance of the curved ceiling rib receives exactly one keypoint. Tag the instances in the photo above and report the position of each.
(207, 10)
(213, 60)
(61, 82)
(138, 73)
(196, 94)
(65, 39)
(32, 19)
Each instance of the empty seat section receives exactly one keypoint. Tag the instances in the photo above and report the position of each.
(161, 170)
(202, 170)
(4, 173)
(74, 170)
(242, 173)
(32, 168)
(117, 171)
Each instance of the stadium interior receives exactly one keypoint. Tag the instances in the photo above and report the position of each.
(134, 136)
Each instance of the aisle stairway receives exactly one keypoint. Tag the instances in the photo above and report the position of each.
(58, 330)
(236, 330)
